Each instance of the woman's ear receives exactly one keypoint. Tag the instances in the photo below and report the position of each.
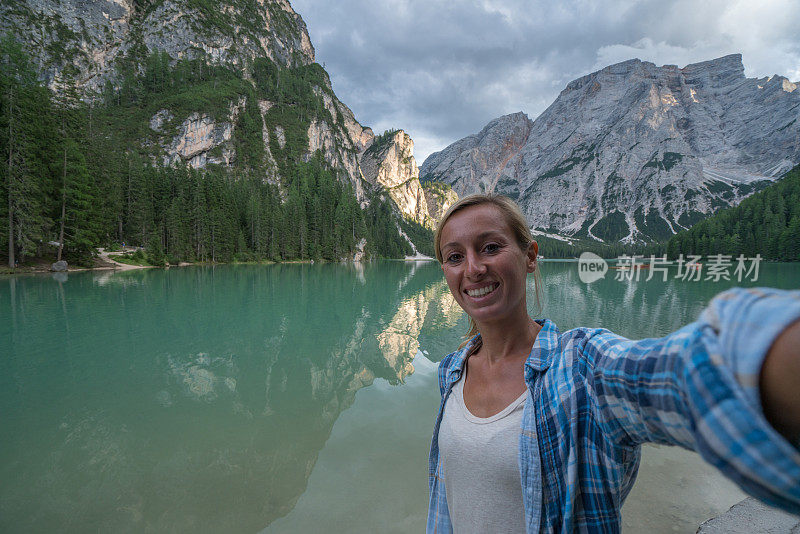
(533, 253)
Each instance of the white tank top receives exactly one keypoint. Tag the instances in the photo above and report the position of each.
(479, 456)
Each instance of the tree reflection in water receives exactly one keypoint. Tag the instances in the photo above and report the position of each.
(199, 399)
(196, 398)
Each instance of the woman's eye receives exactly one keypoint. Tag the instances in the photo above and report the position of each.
(491, 248)
(454, 258)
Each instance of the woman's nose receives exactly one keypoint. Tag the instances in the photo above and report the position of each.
(475, 266)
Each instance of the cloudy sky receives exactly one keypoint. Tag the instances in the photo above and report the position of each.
(442, 69)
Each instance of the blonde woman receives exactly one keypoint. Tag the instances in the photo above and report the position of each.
(540, 430)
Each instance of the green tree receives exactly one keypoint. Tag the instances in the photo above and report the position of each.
(76, 226)
(26, 133)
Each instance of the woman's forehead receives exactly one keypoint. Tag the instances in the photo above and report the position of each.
(475, 222)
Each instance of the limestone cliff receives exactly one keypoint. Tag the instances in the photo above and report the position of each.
(634, 152)
(93, 46)
(340, 141)
(389, 163)
(196, 136)
(230, 83)
(439, 197)
(84, 42)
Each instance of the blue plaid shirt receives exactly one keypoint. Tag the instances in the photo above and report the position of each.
(595, 397)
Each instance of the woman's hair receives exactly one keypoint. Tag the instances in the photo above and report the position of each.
(515, 220)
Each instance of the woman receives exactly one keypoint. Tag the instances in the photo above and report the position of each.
(540, 431)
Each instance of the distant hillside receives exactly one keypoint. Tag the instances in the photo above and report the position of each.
(766, 223)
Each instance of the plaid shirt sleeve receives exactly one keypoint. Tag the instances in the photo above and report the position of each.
(698, 388)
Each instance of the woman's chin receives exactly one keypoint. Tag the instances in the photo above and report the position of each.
(486, 315)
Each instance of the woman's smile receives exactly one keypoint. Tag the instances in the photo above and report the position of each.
(482, 291)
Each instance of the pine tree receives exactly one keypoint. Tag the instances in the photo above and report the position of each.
(76, 227)
(26, 136)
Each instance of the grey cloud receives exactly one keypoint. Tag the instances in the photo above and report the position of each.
(442, 69)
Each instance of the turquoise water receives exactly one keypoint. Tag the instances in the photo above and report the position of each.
(280, 398)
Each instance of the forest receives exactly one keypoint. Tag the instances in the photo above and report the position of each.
(80, 173)
(765, 223)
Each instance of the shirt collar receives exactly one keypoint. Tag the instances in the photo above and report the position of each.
(544, 347)
(539, 359)
(458, 360)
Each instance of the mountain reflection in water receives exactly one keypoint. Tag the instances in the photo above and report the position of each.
(194, 398)
(235, 398)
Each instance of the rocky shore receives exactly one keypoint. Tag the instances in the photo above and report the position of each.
(751, 516)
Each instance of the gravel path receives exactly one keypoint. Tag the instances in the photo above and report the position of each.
(106, 256)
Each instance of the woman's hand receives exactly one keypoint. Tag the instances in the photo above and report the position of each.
(780, 384)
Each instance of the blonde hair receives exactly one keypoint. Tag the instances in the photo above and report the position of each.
(515, 220)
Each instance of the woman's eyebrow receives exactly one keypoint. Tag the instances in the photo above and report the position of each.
(482, 235)
(489, 233)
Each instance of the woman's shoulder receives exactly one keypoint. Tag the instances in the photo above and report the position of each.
(572, 343)
(575, 352)
(446, 363)
(454, 361)
(466, 348)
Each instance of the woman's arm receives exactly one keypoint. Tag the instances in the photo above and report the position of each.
(780, 384)
(702, 387)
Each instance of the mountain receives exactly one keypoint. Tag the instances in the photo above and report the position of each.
(226, 88)
(93, 45)
(634, 152)
(85, 42)
(388, 162)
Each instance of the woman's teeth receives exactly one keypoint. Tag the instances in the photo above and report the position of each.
(482, 291)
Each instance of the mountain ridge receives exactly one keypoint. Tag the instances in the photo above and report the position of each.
(766, 223)
(642, 151)
(93, 38)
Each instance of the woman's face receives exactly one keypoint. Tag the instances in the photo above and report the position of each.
(483, 264)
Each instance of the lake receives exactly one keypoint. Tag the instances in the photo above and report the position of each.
(276, 398)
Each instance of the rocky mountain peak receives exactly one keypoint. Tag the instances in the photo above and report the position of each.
(716, 72)
(230, 84)
(492, 148)
(634, 151)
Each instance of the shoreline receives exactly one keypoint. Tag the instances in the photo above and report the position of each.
(104, 262)
(418, 257)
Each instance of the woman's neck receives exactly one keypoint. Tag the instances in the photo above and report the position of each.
(511, 338)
